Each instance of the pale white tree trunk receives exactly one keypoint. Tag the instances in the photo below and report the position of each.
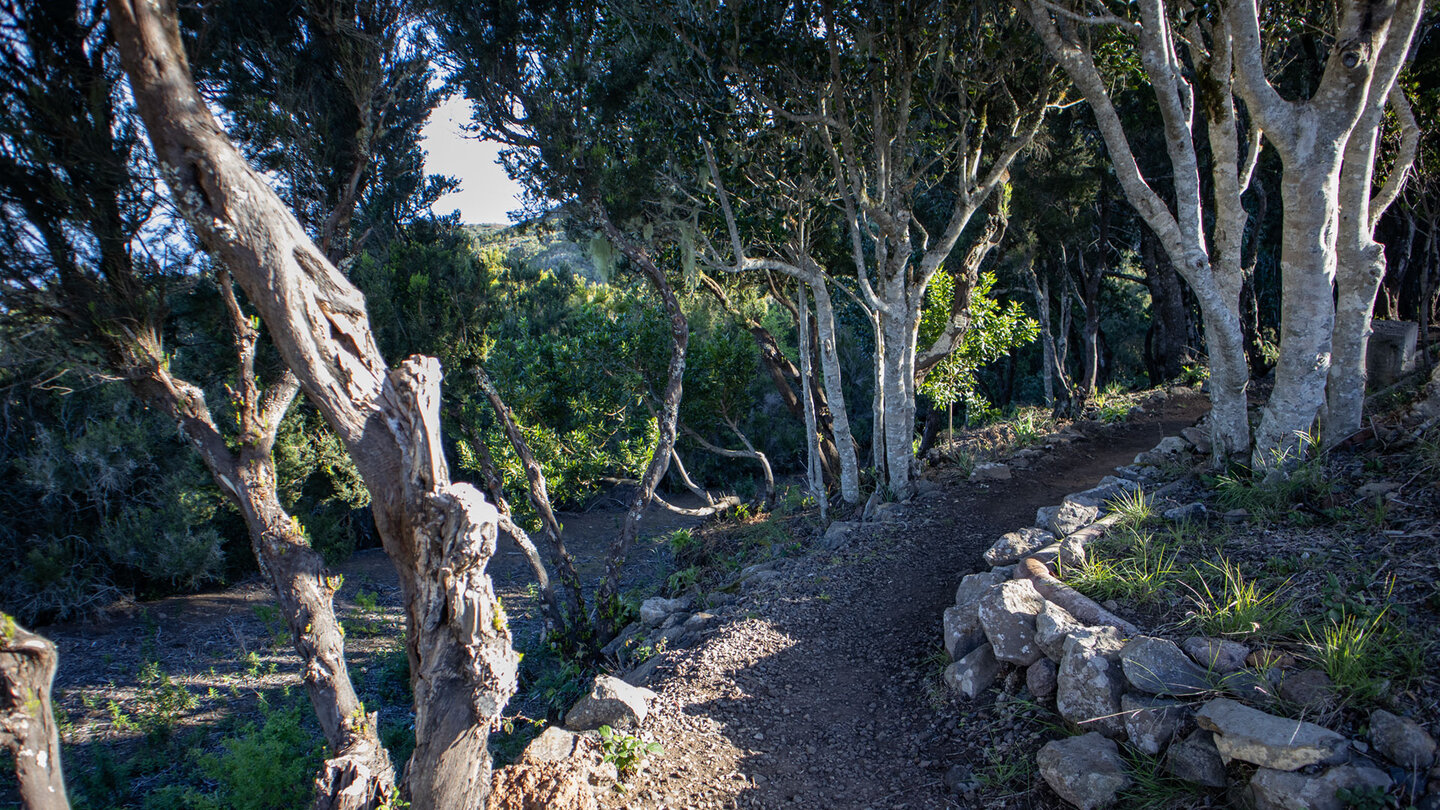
(1373, 37)
(1215, 277)
(1361, 260)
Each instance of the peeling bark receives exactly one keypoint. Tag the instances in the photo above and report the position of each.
(440, 535)
(27, 725)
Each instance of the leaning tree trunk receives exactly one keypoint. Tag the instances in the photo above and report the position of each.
(607, 597)
(27, 724)
(812, 435)
(439, 535)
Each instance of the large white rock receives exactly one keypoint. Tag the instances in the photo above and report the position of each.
(655, 610)
(963, 632)
(611, 702)
(1015, 546)
(974, 673)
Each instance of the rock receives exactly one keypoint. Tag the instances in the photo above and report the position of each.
(640, 675)
(892, 512)
(974, 673)
(1041, 677)
(1266, 740)
(622, 641)
(1086, 771)
(1090, 681)
(1168, 450)
(1376, 489)
(758, 568)
(1200, 439)
(1072, 552)
(1309, 688)
(1067, 518)
(1249, 685)
(1052, 624)
(1047, 555)
(990, 471)
(957, 780)
(1401, 740)
(963, 632)
(699, 620)
(1237, 515)
(553, 745)
(1139, 473)
(1189, 513)
(611, 702)
(1151, 723)
(1278, 790)
(1217, 655)
(924, 488)
(1196, 759)
(839, 535)
(1390, 351)
(1008, 615)
(1159, 667)
(973, 585)
(1014, 546)
(760, 579)
(655, 610)
(1109, 489)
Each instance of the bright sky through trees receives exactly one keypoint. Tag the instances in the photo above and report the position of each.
(485, 193)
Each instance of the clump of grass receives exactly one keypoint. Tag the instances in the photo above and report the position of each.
(1134, 508)
(1233, 605)
(1141, 576)
(1356, 653)
(1152, 788)
(1295, 476)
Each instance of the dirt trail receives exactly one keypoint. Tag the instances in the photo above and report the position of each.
(823, 691)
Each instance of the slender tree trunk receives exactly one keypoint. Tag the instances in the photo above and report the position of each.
(440, 535)
(27, 723)
(607, 598)
(571, 619)
(812, 444)
(835, 392)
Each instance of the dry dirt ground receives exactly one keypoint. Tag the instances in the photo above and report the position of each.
(821, 690)
(824, 692)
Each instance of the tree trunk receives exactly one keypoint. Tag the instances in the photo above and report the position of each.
(607, 598)
(1361, 266)
(1169, 328)
(571, 620)
(835, 391)
(1311, 135)
(812, 443)
(440, 535)
(27, 724)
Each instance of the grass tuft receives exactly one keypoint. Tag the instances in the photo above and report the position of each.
(1232, 605)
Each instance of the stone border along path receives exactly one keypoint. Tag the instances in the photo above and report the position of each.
(1195, 706)
(818, 686)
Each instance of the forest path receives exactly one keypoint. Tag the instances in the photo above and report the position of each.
(825, 692)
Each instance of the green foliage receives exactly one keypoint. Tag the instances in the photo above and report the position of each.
(626, 751)
(1296, 477)
(318, 483)
(264, 765)
(995, 330)
(99, 499)
(1134, 508)
(161, 701)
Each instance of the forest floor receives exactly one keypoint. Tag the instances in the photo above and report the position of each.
(824, 688)
(820, 688)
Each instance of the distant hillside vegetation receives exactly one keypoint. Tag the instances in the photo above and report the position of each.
(541, 247)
